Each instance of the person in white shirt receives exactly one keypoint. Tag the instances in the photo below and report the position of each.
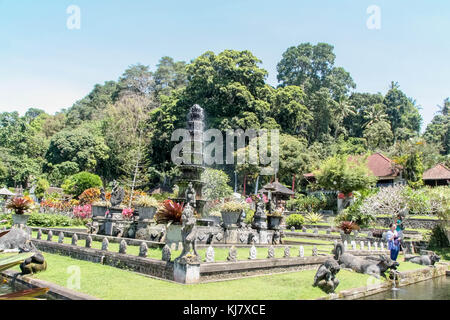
(393, 241)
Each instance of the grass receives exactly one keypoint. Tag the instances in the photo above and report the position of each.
(111, 283)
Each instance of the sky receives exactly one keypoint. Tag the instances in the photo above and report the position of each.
(47, 65)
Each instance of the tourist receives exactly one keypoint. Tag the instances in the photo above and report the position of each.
(393, 241)
(400, 227)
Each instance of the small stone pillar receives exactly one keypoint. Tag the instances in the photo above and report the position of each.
(39, 234)
(271, 253)
(361, 245)
(123, 247)
(74, 239)
(50, 235)
(232, 254)
(105, 244)
(315, 252)
(143, 249)
(210, 254)
(61, 237)
(316, 231)
(185, 271)
(301, 252)
(88, 241)
(287, 252)
(252, 253)
(166, 253)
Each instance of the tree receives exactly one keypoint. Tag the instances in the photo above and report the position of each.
(84, 146)
(438, 131)
(42, 186)
(76, 184)
(136, 80)
(378, 135)
(403, 115)
(91, 107)
(345, 174)
(412, 167)
(169, 76)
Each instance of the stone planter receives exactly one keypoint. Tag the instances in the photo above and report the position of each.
(173, 234)
(146, 212)
(274, 222)
(98, 211)
(19, 219)
(230, 219)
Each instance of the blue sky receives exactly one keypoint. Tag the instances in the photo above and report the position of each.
(44, 64)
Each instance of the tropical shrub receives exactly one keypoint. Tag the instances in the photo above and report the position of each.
(295, 220)
(20, 205)
(147, 201)
(249, 213)
(438, 238)
(42, 186)
(388, 200)
(169, 211)
(344, 174)
(233, 206)
(89, 196)
(309, 203)
(313, 218)
(53, 220)
(216, 184)
(76, 184)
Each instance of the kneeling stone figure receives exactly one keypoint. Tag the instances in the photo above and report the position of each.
(325, 276)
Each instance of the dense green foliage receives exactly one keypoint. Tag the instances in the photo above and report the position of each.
(47, 220)
(295, 220)
(78, 183)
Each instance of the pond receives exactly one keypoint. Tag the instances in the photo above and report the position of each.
(433, 289)
(6, 288)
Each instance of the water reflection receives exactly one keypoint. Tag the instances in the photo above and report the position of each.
(433, 289)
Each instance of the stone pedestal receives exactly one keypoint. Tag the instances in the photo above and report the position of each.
(187, 273)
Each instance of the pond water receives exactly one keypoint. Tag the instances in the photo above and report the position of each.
(433, 289)
(6, 288)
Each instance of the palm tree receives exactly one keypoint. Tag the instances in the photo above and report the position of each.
(374, 113)
(343, 110)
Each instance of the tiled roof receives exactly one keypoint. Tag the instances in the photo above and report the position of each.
(438, 172)
(382, 166)
(279, 188)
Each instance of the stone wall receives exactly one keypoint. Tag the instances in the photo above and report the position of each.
(410, 223)
(97, 237)
(157, 268)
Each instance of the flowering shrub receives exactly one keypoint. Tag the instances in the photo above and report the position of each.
(82, 212)
(89, 196)
(169, 211)
(20, 205)
(58, 205)
(127, 213)
(255, 198)
(348, 226)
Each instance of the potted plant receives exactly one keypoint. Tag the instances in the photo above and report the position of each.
(170, 214)
(146, 207)
(231, 211)
(99, 208)
(274, 219)
(347, 227)
(20, 206)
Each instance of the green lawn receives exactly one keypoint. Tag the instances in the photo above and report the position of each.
(111, 283)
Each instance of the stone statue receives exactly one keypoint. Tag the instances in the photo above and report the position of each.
(325, 276)
(102, 194)
(260, 218)
(191, 195)
(188, 235)
(117, 194)
(374, 266)
(426, 260)
(232, 254)
(35, 263)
